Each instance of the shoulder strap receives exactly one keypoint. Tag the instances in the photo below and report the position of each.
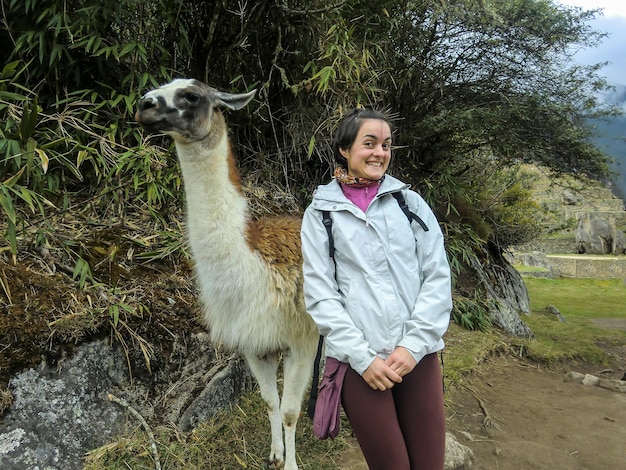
(405, 208)
(316, 379)
(327, 220)
(328, 223)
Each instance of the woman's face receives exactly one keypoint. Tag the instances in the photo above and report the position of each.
(370, 153)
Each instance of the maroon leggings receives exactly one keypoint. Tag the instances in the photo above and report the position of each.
(403, 427)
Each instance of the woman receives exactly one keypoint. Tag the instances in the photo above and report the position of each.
(383, 301)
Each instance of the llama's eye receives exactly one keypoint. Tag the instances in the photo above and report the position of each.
(191, 97)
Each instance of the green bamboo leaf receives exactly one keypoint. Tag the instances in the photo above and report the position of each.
(311, 146)
(126, 49)
(114, 311)
(7, 205)
(9, 70)
(44, 160)
(12, 237)
(9, 96)
(9, 182)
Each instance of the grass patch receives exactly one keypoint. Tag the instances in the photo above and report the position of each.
(238, 437)
(579, 301)
(466, 351)
(575, 340)
(588, 298)
(530, 269)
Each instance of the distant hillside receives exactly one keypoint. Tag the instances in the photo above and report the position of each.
(611, 140)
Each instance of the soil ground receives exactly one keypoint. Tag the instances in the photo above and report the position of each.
(517, 415)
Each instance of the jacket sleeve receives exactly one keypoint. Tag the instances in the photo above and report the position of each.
(430, 317)
(344, 341)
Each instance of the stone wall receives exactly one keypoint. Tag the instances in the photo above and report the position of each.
(587, 266)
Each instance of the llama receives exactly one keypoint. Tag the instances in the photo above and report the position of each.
(249, 271)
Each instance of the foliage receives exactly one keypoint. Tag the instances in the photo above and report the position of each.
(578, 337)
(471, 312)
(475, 86)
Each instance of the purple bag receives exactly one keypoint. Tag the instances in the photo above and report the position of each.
(326, 419)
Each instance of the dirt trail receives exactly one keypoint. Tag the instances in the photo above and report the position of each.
(518, 416)
(539, 421)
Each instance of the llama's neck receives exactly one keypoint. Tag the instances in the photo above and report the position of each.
(216, 208)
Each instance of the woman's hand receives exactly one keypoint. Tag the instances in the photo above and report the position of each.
(380, 376)
(401, 361)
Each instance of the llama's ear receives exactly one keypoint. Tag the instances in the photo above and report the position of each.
(232, 101)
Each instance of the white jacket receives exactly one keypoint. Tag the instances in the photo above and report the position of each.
(392, 286)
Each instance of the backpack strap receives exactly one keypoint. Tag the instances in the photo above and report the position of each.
(405, 208)
(327, 220)
(316, 379)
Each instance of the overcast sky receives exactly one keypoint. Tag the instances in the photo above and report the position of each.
(613, 49)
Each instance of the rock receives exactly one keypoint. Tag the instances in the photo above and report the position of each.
(613, 384)
(569, 198)
(589, 379)
(573, 377)
(61, 412)
(507, 293)
(599, 236)
(458, 456)
(619, 243)
(551, 310)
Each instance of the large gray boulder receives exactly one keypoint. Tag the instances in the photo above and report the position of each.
(597, 235)
(60, 412)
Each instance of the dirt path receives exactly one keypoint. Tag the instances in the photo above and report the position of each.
(539, 421)
(518, 416)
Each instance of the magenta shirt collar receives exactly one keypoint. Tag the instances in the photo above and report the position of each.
(361, 196)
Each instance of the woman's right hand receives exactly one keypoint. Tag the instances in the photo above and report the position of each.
(380, 376)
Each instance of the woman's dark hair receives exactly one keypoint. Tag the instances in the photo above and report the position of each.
(348, 129)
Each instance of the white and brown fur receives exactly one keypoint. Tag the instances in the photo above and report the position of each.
(249, 271)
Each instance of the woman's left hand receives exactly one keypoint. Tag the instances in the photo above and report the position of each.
(401, 361)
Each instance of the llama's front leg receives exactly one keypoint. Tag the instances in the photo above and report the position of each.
(298, 367)
(264, 370)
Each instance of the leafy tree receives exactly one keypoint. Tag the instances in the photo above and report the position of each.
(476, 87)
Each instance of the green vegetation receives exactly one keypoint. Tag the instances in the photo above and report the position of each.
(477, 87)
(236, 438)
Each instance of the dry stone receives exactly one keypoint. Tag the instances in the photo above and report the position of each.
(61, 412)
(458, 456)
(598, 235)
(590, 380)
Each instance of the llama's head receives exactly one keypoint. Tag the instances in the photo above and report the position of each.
(184, 109)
